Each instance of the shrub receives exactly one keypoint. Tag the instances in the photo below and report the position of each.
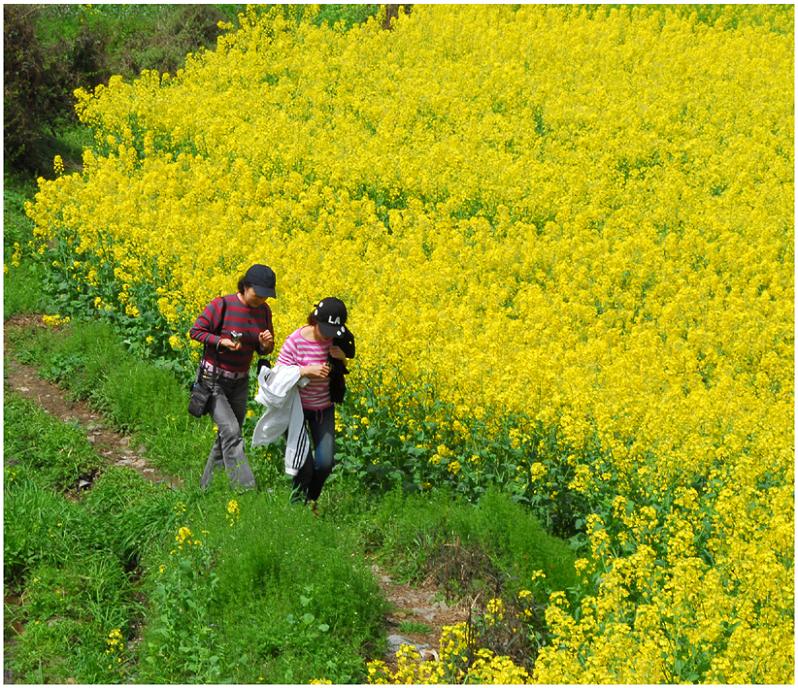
(35, 92)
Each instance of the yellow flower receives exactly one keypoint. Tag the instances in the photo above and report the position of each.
(55, 320)
(233, 512)
(537, 471)
(494, 610)
(183, 536)
(114, 641)
(634, 223)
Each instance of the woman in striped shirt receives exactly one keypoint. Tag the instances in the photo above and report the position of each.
(233, 328)
(310, 347)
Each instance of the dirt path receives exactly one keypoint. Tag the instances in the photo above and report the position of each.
(417, 617)
(108, 443)
(417, 613)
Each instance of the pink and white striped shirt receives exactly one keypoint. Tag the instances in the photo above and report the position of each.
(297, 350)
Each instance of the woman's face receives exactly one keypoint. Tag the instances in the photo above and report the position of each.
(252, 299)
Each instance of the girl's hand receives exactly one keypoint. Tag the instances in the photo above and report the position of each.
(317, 371)
(336, 352)
(229, 344)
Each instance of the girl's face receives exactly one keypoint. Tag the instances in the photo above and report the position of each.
(319, 335)
(252, 299)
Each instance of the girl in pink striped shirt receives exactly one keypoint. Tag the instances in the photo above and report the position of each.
(311, 347)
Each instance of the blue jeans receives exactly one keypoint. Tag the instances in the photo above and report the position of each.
(317, 468)
(228, 408)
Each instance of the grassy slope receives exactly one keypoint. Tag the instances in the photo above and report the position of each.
(247, 584)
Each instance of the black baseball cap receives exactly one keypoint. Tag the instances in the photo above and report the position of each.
(262, 279)
(330, 314)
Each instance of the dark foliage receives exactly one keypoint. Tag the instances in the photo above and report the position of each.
(50, 50)
(34, 91)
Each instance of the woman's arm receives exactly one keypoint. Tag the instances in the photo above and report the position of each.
(208, 324)
(266, 337)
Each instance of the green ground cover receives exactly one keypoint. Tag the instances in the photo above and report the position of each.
(197, 588)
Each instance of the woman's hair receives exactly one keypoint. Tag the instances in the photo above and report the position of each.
(312, 318)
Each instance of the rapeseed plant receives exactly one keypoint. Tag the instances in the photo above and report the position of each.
(598, 206)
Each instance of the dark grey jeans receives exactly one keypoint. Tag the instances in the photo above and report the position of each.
(315, 471)
(228, 408)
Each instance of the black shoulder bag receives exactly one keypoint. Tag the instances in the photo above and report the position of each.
(200, 392)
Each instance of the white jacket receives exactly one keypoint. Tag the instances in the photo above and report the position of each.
(278, 391)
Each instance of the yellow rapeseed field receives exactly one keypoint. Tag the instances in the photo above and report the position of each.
(579, 218)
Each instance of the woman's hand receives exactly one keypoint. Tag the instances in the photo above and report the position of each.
(266, 341)
(316, 371)
(337, 352)
(229, 344)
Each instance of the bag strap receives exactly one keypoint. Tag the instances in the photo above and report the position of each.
(205, 344)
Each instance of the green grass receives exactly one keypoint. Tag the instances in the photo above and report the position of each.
(60, 453)
(58, 556)
(279, 596)
(414, 627)
(418, 534)
(350, 15)
(22, 284)
(39, 526)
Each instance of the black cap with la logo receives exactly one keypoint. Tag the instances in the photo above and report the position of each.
(330, 314)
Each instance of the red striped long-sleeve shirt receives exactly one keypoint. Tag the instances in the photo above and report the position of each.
(209, 329)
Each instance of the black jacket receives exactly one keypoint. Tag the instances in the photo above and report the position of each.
(338, 368)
